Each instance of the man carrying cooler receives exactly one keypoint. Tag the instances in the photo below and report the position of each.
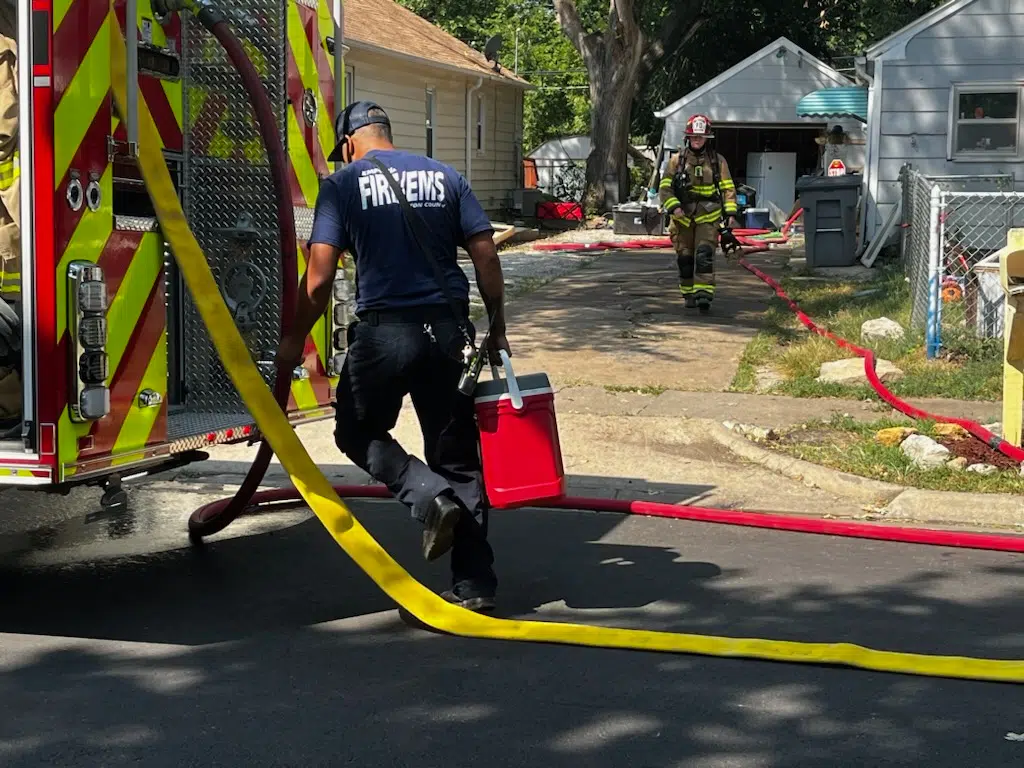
(407, 340)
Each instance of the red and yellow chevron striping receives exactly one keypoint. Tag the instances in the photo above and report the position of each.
(132, 261)
(310, 91)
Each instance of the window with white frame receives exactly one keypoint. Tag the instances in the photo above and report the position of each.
(431, 96)
(350, 86)
(480, 107)
(986, 121)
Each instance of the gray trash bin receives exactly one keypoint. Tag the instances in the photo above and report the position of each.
(830, 218)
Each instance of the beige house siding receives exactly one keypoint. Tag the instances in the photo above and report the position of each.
(400, 87)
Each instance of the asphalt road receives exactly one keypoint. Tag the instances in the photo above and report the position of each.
(268, 648)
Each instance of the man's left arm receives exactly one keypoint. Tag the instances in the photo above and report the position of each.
(728, 187)
(327, 242)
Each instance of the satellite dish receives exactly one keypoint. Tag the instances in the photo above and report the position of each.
(492, 47)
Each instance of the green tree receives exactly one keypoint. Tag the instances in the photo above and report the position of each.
(556, 106)
(603, 67)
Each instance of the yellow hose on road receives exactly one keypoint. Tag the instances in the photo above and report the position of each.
(422, 603)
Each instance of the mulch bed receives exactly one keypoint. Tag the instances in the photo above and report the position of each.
(976, 452)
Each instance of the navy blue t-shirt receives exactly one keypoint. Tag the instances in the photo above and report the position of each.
(357, 212)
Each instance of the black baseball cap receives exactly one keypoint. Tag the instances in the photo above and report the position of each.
(355, 116)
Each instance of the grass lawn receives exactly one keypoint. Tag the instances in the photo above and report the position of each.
(968, 368)
(850, 446)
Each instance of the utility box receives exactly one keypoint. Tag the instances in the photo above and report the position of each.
(830, 219)
(637, 219)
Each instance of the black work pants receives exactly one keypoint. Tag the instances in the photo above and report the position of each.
(416, 353)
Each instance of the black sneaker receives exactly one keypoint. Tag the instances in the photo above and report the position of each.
(480, 603)
(439, 529)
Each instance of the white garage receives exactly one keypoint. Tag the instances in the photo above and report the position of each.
(768, 138)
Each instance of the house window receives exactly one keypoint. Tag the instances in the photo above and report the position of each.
(986, 121)
(350, 85)
(480, 123)
(430, 121)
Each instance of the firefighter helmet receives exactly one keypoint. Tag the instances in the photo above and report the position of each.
(699, 125)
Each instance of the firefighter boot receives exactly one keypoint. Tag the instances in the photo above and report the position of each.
(684, 259)
(704, 285)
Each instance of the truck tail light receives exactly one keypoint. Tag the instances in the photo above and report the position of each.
(87, 326)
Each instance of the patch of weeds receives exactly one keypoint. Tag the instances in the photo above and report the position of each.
(848, 445)
(969, 368)
(647, 390)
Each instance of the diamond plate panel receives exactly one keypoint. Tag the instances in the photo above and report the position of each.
(303, 223)
(229, 198)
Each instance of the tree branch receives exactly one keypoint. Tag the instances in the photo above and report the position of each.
(639, 157)
(572, 25)
(677, 29)
(627, 21)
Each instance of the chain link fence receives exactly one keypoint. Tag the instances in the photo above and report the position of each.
(951, 226)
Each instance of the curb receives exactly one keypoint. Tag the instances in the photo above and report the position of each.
(861, 489)
(895, 502)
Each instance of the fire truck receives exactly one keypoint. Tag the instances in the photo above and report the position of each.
(119, 376)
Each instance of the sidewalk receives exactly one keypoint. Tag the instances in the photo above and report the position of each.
(621, 322)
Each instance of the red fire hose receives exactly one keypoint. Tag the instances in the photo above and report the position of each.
(214, 517)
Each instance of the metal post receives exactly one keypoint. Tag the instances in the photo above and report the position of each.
(131, 29)
(1011, 273)
(340, 85)
(932, 338)
(26, 131)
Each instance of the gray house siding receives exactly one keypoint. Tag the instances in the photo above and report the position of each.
(983, 43)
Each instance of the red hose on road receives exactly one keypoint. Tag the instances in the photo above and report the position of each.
(792, 523)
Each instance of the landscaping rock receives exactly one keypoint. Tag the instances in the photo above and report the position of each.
(881, 329)
(995, 428)
(959, 464)
(851, 371)
(894, 435)
(954, 431)
(983, 469)
(924, 452)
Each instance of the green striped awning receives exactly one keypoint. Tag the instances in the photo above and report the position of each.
(835, 102)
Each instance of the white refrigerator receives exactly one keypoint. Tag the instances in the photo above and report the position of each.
(773, 175)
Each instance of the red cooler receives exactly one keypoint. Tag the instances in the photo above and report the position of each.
(519, 446)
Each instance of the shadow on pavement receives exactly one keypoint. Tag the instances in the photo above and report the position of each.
(215, 661)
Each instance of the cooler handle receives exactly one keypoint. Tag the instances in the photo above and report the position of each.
(510, 377)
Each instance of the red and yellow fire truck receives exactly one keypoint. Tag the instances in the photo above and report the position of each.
(118, 374)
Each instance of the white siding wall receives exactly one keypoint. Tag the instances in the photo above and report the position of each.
(400, 88)
(984, 42)
(765, 92)
(497, 168)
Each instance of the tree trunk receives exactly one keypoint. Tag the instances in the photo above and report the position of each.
(614, 77)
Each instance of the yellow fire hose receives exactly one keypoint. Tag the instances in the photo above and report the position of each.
(419, 601)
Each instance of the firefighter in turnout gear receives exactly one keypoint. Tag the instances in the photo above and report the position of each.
(696, 191)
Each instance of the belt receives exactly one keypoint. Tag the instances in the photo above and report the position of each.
(408, 315)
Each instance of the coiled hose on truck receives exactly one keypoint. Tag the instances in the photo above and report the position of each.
(393, 580)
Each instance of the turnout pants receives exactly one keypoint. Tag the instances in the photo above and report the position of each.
(418, 353)
(695, 254)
